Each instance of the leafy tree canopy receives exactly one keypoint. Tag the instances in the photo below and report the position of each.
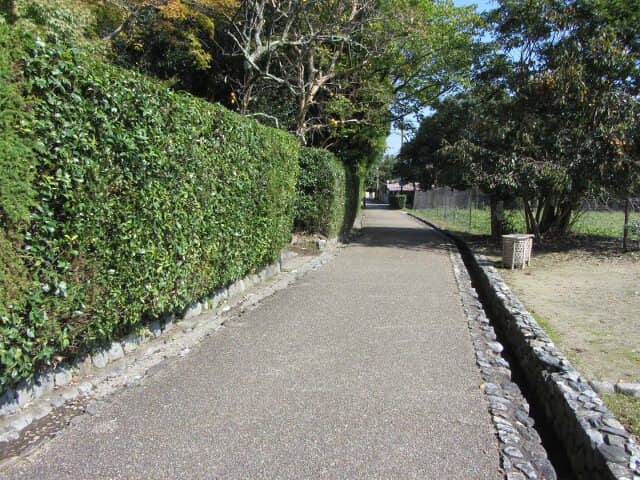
(170, 39)
(331, 72)
(553, 115)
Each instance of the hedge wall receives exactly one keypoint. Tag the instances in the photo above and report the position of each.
(146, 200)
(398, 201)
(321, 193)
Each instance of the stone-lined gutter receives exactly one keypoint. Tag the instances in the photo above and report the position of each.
(597, 445)
(128, 360)
(521, 452)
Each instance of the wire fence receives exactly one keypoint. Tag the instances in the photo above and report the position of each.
(464, 210)
(469, 211)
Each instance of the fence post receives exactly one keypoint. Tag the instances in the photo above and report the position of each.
(470, 200)
(625, 233)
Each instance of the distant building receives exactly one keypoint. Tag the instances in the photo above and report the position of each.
(395, 187)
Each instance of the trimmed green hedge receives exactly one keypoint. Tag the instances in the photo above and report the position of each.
(146, 201)
(17, 194)
(398, 201)
(355, 192)
(321, 193)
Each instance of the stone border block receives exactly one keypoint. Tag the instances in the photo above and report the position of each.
(100, 359)
(62, 375)
(155, 328)
(82, 366)
(8, 402)
(168, 322)
(193, 311)
(115, 352)
(236, 289)
(630, 389)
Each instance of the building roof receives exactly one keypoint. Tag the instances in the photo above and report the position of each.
(401, 186)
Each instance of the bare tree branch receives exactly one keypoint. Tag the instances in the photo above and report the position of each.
(303, 47)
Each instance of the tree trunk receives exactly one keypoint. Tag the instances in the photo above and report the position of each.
(532, 222)
(7, 10)
(548, 215)
(563, 218)
(556, 216)
(497, 218)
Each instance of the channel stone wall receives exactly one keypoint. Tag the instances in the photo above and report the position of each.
(597, 445)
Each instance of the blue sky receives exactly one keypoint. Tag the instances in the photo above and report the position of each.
(483, 5)
(393, 140)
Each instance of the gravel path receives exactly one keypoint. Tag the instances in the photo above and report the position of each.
(363, 369)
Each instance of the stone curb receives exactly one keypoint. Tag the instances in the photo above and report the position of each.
(90, 374)
(629, 389)
(597, 444)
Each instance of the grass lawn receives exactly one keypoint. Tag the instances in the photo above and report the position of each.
(606, 223)
(478, 221)
(626, 409)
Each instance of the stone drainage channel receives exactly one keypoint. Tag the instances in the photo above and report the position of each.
(523, 453)
(550, 422)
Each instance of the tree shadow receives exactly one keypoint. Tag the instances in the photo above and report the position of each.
(411, 238)
(373, 205)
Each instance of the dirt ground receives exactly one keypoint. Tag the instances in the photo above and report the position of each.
(585, 292)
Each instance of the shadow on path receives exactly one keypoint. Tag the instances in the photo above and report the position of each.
(375, 206)
(395, 229)
(410, 238)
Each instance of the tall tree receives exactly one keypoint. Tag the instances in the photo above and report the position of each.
(304, 50)
(336, 73)
(434, 53)
(575, 104)
(558, 116)
(333, 54)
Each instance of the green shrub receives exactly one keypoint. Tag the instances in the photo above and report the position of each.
(354, 190)
(321, 192)
(409, 201)
(56, 21)
(17, 159)
(398, 202)
(7, 11)
(146, 201)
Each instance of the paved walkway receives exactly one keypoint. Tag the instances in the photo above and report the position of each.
(364, 369)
